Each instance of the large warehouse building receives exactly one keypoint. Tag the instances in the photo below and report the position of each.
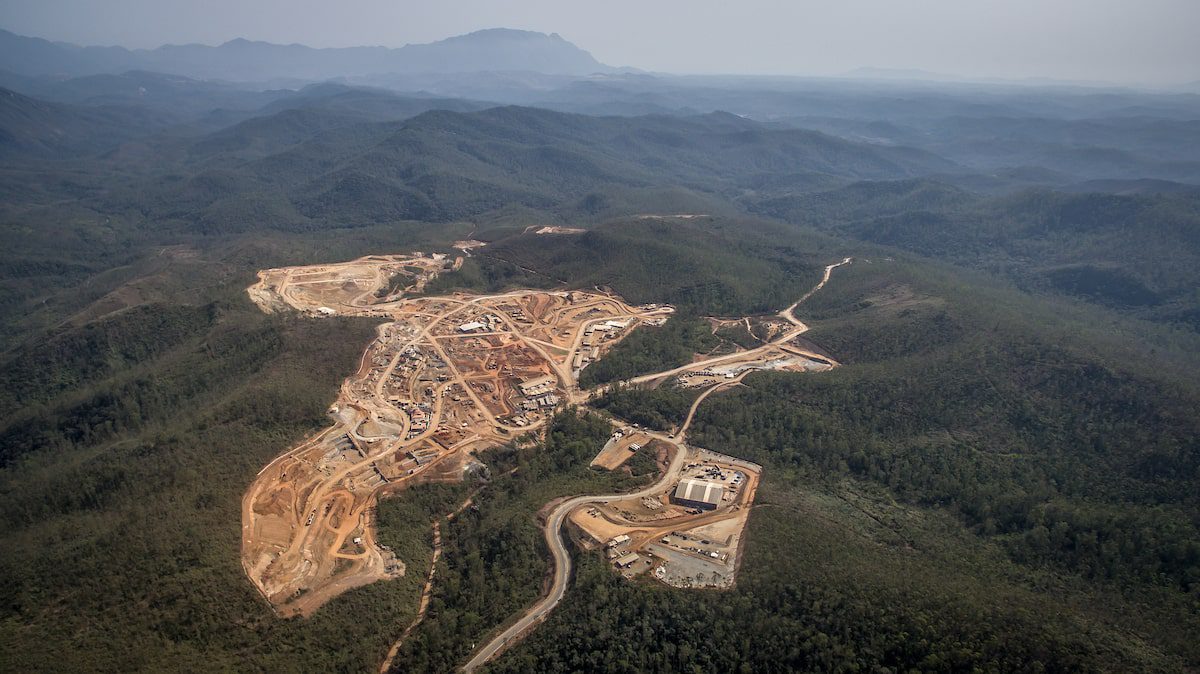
(538, 385)
(699, 493)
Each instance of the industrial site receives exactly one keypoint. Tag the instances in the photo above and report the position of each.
(445, 378)
(687, 528)
(686, 533)
(450, 376)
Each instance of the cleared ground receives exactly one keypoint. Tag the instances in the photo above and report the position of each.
(446, 377)
(684, 545)
(554, 229)
(450, 376)
(620, 449)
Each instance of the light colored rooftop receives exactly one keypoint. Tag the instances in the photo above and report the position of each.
(700, 491)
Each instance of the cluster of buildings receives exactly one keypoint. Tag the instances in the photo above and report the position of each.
(539, 392)
(621, 557)
(593, 334)
(409, 361)
(537, 386)
(547, 401)
(514, 312)
(418, 414)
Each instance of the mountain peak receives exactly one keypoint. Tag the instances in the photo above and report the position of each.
(502, 49)
(501, 31)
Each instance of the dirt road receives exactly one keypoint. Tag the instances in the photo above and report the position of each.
(791, 317)
(553, 530)
(423, 606)
(562, 557)
(787, 314)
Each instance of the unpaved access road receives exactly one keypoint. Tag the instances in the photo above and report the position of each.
(791, 317)
(787, 314)
(423, 604)
(553, 529)
(562, 557)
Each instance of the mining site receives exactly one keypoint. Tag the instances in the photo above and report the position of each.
(446, 377)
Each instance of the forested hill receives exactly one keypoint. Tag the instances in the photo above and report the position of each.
(1139, 254)
(337, 156)
(30, 127)
(443, 165)
(316, 166)
(1000, 476)
(689, 148)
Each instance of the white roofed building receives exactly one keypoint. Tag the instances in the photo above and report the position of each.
(699, 493)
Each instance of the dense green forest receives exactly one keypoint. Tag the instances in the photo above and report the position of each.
(1083, 461)
(1002, 476)
(644, 461)
(663, 408)
(120, 504)
(1134, 253)
(730, 266)
(826, 587)
(997, 477)
(1051, 464)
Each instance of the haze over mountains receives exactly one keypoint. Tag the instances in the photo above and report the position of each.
(66, 99)
(498, 49)
(1000, 475)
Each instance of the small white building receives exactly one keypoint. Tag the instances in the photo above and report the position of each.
(628, 560)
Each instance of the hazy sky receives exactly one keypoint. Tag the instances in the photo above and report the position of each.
(1146, 41)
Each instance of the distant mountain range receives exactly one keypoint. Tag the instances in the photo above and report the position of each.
(492, 50)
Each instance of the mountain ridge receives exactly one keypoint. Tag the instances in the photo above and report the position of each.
(242, 59)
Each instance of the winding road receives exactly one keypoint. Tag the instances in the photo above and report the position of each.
(562, 557)
(553, 529)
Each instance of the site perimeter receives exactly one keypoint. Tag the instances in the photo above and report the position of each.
(449, 376)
